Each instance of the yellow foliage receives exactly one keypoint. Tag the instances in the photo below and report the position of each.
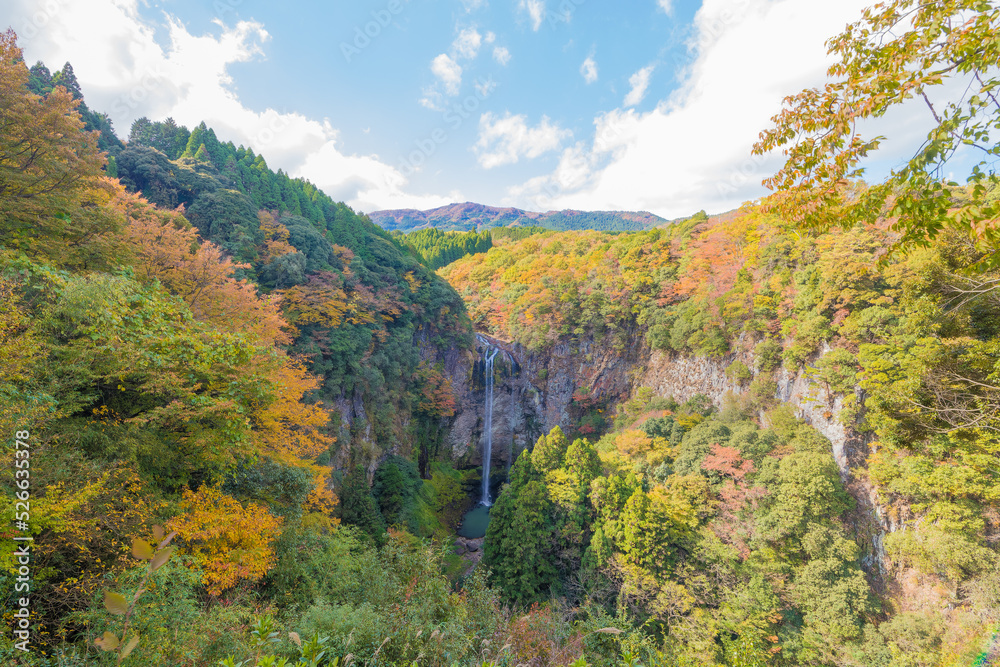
(230, 542)
(322, 499)
(288, 426)
(19, 349)
(633, 443)
(83, 530)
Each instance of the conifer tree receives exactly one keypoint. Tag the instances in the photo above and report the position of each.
(357, 504)
(520, 538)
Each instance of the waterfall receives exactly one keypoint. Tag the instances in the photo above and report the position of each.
(488, 356)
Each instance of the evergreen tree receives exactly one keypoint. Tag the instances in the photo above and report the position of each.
(583, 463)
(390, 490)
(67, 79)
(550, 450)
(520, 538)
(40, 79)
(357, 504)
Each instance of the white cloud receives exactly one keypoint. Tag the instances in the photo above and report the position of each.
(467, 44)
(448, 72)
(536, 12)
(666, 5)
(589, 70)
(693, 150)
(501, 54)
(472, 5)
(639, 82)
(484, 87)
(127, 74)
(490, 37)
(505, 140)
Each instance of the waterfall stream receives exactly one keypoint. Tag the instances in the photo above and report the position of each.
(488, 356)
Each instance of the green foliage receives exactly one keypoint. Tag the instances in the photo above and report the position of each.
(549, 451)
(115, 603)
(389, 492)
(357, 504)
(896, 52)
(518, 539)
(437, 249)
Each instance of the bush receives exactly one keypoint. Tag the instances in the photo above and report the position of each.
(738, 372)
(767, 354)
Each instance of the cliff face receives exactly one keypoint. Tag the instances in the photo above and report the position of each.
(533, 392)
(538, 394)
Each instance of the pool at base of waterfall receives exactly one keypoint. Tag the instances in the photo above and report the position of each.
(474, 522)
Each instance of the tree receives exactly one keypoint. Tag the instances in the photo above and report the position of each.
(229, 542)
(520, 537)
(52, 194)
(899, 51)
(357, 505)
(550, 450)
(391, 492)
(164, 247)
(583, 463)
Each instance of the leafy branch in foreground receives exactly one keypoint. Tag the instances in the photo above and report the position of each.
(899, 51)
(119, 605)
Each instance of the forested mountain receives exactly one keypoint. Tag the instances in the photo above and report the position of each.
(246, 422)
(477, 217)
(193, 345)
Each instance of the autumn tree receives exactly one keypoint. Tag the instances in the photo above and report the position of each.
(52, 191)
(163, 246)
(900, 51)
(230, 542)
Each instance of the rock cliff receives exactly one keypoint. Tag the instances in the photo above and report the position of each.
(536, 392)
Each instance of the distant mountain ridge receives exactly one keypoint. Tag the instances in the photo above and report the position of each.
(470, 216)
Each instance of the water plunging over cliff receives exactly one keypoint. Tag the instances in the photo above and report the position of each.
(489, 354)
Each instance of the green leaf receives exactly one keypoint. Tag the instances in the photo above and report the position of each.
(115, 603)
(132, 643)
(161, 557)
(107, 642)
(141, 549)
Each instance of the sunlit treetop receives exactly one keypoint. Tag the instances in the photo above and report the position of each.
(898, 51)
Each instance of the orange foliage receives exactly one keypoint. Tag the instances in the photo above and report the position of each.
(551, 285)
(435, 397)
(735, 495)
(326, 301)
(275, 237)
(230, 543)
(165, 247)
(632, 443)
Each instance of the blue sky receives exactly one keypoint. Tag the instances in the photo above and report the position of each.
(645, 105)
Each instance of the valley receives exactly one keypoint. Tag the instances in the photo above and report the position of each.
(253, 427)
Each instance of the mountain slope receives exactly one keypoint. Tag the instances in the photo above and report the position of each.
(472, 216)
